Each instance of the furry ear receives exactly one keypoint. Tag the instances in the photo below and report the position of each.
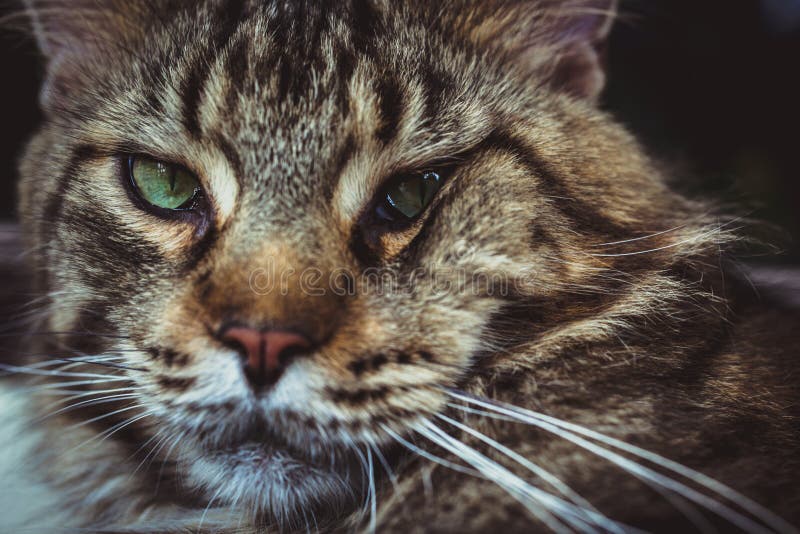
(72, 32)
(559, 41)
(580, 43)
(69, 27)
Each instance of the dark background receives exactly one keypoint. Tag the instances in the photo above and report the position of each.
(711, 87)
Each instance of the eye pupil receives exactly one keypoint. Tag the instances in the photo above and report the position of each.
(163, 185)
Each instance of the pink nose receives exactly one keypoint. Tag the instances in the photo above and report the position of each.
(268, 353)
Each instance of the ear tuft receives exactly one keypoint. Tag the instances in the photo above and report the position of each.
(559, 41)
(580, 41)
(61, 26)
(70, 33)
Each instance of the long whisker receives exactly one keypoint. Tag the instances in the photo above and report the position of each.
(14, 369)
(687, 510)
(207, 508)
(64, 366)
(592, 515)
(102, 361)
(642, 238)
(50, 388)
(89, 402)
(114, 429)
(373, 496)
(697, 238)
(153, 452)
(75, 360)
(177, 439)
(107, 364)
(385, 464)
(80, 393)
(528, 496)
(105, 416)
(429, 456)
(364, 472)
(570, 431)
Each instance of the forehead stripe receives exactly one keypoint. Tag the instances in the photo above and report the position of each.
(391, 106)
(230, 14)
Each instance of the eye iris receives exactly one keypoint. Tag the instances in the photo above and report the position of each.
(162, 184)
(412, 195)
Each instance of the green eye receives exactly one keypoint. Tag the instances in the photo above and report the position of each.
(161, 184)
(408, 197)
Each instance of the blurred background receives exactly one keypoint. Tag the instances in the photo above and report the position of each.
(712, 87)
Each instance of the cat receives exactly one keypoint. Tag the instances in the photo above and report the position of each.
(376, 266)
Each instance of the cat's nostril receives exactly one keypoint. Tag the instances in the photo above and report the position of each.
(266, 353)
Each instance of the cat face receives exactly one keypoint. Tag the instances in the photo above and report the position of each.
(297, 226)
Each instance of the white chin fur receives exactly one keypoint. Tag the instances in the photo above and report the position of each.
(257, 481)
(26, 503)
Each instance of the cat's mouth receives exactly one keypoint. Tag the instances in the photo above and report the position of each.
(263, 440)
(267, 471)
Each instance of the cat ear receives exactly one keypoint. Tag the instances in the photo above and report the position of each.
(70, 33)
(560, 42)
(580, 42)
(66, 27)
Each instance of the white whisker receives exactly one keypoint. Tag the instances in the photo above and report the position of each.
(104, 416)
(79, 394)
(429, 456)
(698, 238)
(113, 430)
(684, 507)
(72, 361)
(89, 402)
(532, 498)
(50, 387)
(642, 238)
(570, 432)
(14, 369)
(207, 508)
(592, 514)
(373, 496)
(385, 464)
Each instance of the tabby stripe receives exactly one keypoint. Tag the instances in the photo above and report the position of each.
(169, 356)
(340, 162)
(583, 214)
(94, 332)
(391, 107)
(99, 238)
(231, 14)
(436, 82)
(236, 68)
(200, 249)
(365, 25)
(230, 153)
(177, 384)
(284, 79)
(54, 204)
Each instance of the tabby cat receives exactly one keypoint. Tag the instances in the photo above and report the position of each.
(375, 265)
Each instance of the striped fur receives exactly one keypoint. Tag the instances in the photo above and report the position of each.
(614, 309)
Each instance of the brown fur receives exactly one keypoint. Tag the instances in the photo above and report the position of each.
(592, 293)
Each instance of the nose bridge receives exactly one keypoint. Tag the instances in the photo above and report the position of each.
(288, 279)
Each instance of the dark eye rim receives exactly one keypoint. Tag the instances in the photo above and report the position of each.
(193, 210)
(365, 241)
